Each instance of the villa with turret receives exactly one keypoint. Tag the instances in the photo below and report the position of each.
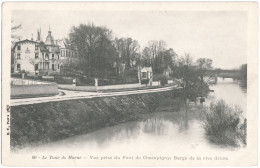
(36, 57)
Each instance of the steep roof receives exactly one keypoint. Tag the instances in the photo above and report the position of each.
(65, 43)
(43, 47)
(147, 69)
(49, 40)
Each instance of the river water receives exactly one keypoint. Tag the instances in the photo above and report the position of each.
(157, 134)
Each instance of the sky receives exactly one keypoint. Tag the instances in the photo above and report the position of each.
(218, 35)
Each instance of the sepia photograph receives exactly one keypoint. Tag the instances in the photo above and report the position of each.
(129, 83)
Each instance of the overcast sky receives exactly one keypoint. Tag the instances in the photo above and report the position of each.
(221, 36)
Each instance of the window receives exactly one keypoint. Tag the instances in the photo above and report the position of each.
(18, 67)
(36, 55)
(67, 54)
(58, 57)
(52, 56)
(19, 47)
(58, 66)
(46, 56)
(36, 47)
(18, 56)
(36, 67)
(144, 75)
(53, 67)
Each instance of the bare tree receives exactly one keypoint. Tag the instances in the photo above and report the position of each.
(128, 51)
(14, 28)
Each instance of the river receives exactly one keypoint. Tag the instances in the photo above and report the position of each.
(157, 134)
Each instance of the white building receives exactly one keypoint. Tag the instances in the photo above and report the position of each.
(68, 53)
(146, 73)
(36, 57)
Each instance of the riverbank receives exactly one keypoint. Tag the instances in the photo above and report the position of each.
(36, 124)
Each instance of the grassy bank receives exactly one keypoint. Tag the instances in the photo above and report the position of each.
(39, 123)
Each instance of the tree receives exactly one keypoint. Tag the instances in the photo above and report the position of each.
(188, 72)
(14, 28)
(243, 72)
(95, 48)
(204, 65)
(128, 52)
(153, 50)
(158, 56)
(14, 38)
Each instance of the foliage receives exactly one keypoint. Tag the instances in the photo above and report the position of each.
(127, 52)
(243, 73)
(145, 81)
(158, 56)
(204, 65)
(192, 75)
(160, 77)
(14, 28)
(95, 48)
(224, 124)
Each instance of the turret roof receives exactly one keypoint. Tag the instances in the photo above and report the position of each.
(49, 40)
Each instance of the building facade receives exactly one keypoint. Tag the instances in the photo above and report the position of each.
(36, 57)
(68, 53)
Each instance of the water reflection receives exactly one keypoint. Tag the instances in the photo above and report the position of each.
(155, 126)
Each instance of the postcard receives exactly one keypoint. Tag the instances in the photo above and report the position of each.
(129, 84)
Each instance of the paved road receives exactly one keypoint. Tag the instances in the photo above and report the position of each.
(69, 95)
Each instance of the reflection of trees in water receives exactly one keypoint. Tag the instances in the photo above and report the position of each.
(183, 117)
(154, 125)
(183, 121)
(104, 136)
(122, 131)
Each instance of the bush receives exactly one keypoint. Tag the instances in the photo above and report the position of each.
(85, 81)
(162, 78)
(224, 124)
(58, 79)
(145, 81)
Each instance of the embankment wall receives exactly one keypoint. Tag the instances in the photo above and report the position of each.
(39, 123)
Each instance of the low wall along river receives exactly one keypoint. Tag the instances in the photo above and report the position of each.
(44, 122)
(21, 88)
